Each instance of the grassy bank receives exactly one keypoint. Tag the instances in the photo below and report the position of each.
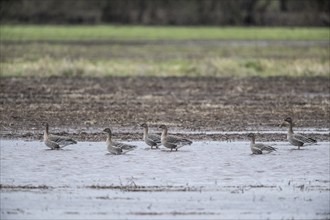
(102, 32)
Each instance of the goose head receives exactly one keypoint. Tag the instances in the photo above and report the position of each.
(107, 130)
(163, 127)
(286, 120)
(44, 124)
(144, 125)
(251, 136)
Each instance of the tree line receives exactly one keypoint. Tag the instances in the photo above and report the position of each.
(168, 12)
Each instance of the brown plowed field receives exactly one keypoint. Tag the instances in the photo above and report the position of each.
(82, 107)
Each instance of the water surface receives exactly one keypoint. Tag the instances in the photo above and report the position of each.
(208, 180)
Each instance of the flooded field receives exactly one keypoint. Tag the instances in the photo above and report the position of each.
(207, 180)
(213, 92)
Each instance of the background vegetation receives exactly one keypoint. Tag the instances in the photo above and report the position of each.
(163, 51)
(168, 12)
(143, 38)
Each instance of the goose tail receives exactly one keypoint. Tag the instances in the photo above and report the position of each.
(312, 140)
(186, 142)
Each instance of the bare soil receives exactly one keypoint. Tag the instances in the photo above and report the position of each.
(83, 106)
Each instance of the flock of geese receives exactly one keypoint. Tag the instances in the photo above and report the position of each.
(55, 142)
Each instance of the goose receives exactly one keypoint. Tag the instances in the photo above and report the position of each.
(117, 148)
(56, 142)
(259, 148)
(172, 142)
(153, 140)
(296, 139)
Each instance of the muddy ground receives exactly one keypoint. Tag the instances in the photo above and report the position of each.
(82, 107)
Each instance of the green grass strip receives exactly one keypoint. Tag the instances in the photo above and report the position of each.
(110, 32)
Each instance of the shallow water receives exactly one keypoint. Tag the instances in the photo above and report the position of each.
(208, 180)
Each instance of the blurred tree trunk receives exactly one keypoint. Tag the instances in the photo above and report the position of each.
(283, 5)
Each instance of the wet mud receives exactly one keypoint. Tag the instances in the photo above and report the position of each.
(83, 106)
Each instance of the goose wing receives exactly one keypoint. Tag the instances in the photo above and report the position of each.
(256, 150)
(178, 141)
(62, 141)
(126, 147)
(186, 141)
(264, 147)
(51, 144)
(302, 138)
(154, 138)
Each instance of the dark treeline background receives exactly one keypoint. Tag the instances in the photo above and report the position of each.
(168, 12)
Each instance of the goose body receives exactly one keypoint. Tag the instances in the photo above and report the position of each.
(153, 140)
(56, 142)
(172, 142)
(117, 148)
(259, 148)
(297, 139)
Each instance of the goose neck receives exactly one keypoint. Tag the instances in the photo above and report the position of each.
(109, 136)
(46, 131)
(253, 140)
(145, 132)
(290, 128)
(164, 133)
